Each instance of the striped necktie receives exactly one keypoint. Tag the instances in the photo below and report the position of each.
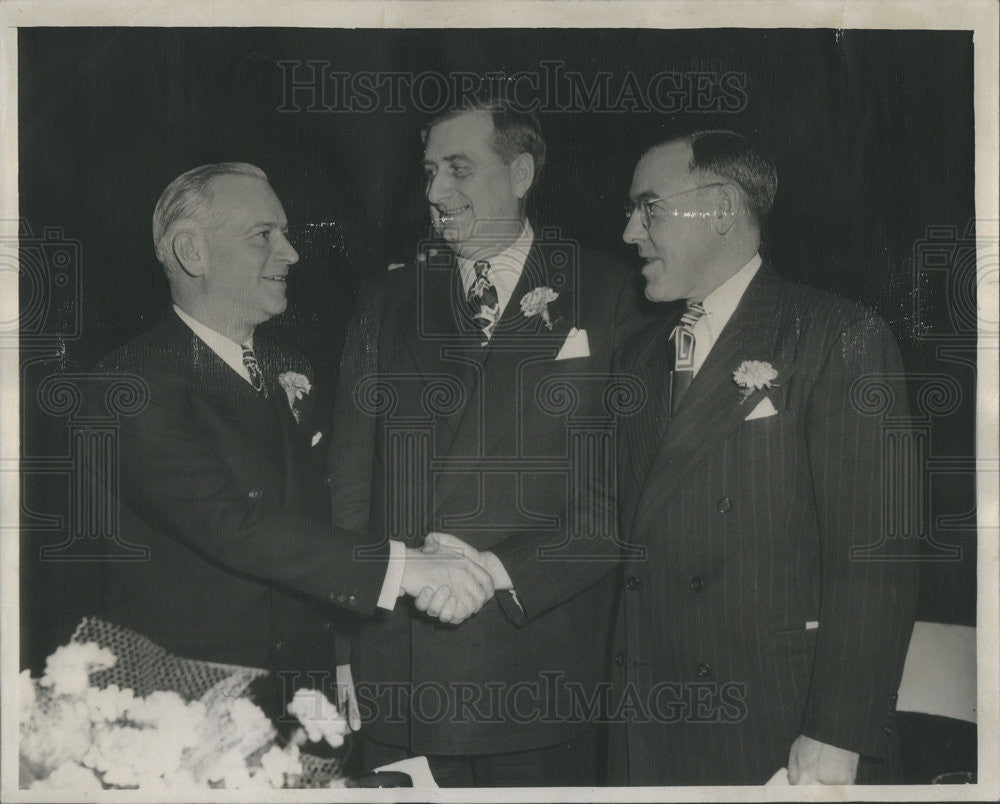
(253, 369)
(483, 298)
(681, 349)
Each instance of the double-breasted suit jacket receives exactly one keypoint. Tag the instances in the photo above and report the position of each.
(243, 565)
(507, 448)
(753, 616)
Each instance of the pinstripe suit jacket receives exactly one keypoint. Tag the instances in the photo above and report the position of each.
(747, 528)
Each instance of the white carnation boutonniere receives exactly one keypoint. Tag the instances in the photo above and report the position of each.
(537, 301)
(296, 387)
(754, 375)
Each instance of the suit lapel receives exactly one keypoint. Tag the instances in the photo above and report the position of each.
(489, 425)
(641, 433)
(434, 324)
(225, 391)
(519, 339)
(713, 405)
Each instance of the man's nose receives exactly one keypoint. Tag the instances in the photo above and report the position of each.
(285, 250)
(634, 230)
(438, 187)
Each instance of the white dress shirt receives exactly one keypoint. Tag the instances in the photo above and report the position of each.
(232, 354)
(720, 305)
(230, 351)
(505, 267)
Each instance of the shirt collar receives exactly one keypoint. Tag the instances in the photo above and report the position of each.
(230, 351)
(505, 267)
(722, 302)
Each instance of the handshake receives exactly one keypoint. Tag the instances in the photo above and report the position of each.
(450, 580)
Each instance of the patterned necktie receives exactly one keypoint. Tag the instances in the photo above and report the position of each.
(681, 348)
(483, 298)
(253, 369)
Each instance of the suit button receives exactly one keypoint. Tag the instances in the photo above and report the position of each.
(697, 584)
(277, 646)
(353, 600)
(704, 670)
(633, 583)
(619, 658)
(725, 505)
(887, 729)
(328, 480)
(254, 494)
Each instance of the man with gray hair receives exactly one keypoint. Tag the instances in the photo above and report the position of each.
(244, 565)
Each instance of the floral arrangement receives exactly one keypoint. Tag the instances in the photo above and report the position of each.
(754, 375)
(536, 302)
(84, 737)
(296, 386)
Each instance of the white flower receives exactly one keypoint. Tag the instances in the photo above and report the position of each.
(84, 738)
(26, 696)
(276, 763)
(230, 769)
(321, 719)
(296, 387)
(57, 732)
(754, 375)
(108, 704)
(67, 670)
(536, 302)
(69, 776)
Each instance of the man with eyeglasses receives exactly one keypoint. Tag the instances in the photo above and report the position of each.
(761, 626)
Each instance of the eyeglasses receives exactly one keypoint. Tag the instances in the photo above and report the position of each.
(645, 206)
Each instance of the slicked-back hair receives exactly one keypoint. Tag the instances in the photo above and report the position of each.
(732, 156)
(514, 132)
(187, 198)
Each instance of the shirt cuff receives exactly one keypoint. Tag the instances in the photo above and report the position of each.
(392, 586)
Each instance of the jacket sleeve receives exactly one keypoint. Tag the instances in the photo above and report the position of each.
(868, 578)
(177, 479)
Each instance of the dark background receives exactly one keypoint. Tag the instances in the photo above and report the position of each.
(872, 131)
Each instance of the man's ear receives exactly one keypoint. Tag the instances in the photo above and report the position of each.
(189, 251)
(522, 173)
(727, 208)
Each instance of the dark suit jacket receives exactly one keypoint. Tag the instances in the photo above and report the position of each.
(748, 528)
(243, 565)
(432, 431)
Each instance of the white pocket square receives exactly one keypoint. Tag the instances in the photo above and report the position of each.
(317, 437)
(764, 408)
(575, 345)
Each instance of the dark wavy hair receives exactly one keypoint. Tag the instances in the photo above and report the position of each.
(514, 132)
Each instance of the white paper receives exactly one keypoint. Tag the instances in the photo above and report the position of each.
(417, 768)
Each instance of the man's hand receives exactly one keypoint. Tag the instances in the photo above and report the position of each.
(487, 560)
(813, 762)
(446, 584)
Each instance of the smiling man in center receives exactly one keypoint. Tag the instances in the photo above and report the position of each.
(490, 350)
